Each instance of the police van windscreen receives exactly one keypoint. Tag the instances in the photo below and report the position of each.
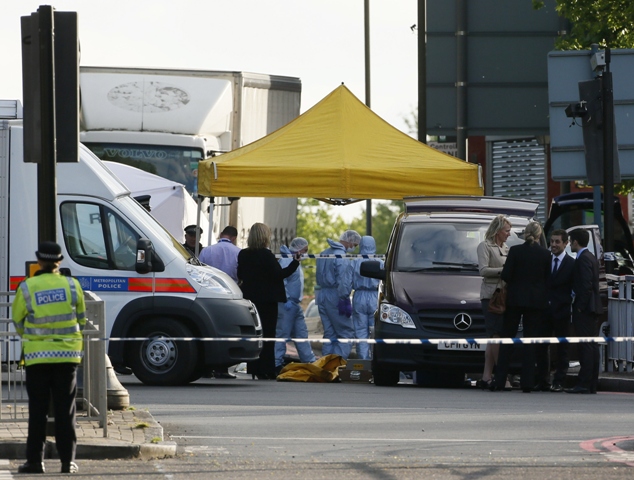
(442, 246)
(179, 164)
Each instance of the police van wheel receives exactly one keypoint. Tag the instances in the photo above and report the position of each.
(159, 360)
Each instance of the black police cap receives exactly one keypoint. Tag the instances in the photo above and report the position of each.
(49, 251)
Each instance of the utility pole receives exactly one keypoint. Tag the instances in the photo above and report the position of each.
(596, 110)
(422, 71)
(50, 84)
(366, 23)
(607, 93)
(461, 79)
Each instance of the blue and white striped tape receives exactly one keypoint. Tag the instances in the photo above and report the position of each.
(372, 341)
(391, 341)
(323, 255)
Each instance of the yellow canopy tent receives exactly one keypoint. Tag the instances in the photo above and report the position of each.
(339, 149)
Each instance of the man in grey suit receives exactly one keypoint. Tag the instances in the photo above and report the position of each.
(556, 321)
(586, 308)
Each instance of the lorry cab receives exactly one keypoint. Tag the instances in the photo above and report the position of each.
(152, 288)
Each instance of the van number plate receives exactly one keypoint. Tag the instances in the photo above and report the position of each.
(475, 347)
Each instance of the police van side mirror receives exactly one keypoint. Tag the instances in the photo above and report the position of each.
(146, 258)
(372, 269)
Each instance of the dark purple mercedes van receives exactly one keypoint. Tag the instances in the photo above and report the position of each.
(430, 287)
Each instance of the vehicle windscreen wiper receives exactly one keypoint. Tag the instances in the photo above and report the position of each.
(442, 266)
(467, 265)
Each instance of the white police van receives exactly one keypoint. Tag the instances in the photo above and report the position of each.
(100, 228)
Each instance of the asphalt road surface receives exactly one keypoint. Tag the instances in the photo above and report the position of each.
(243, 429)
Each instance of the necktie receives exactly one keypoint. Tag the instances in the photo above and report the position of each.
(555, 264)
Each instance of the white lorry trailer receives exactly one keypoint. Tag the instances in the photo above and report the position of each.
(100, 228)
(165, 121)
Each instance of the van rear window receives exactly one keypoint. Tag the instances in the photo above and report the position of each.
(441, 246)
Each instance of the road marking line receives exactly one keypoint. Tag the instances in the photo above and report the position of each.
(365, 439)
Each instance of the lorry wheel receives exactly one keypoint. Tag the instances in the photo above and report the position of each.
(384, 377)
(163, 361)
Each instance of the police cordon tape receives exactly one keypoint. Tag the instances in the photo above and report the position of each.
(387, 341)
(320, 255)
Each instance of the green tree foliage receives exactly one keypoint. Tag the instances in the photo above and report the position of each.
(604, 22)
(317, 221)
(625, 187)
(383, 217)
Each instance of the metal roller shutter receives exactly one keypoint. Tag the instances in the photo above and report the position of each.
(519, 171)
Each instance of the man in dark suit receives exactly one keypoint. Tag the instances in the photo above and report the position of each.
(525, 272)
(556, 322)
(586, 308)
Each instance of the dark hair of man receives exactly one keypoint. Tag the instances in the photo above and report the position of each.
(560, 232)
(230, 231)
(581, 236)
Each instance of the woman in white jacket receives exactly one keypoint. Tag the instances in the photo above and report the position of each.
(492, 253)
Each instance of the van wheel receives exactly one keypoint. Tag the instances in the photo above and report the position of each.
(439, 379)
(384, 377)
(163, 361)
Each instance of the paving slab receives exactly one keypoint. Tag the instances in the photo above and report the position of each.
(130, 434)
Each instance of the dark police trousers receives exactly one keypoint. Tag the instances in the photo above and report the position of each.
(587, 325)
(59, 381)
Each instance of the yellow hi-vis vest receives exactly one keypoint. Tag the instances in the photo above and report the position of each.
(49, 313)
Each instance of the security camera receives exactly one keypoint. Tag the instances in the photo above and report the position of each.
(576, 110)
(597, 61)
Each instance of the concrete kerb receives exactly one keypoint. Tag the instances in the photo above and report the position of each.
(616, 382)
(608, 381)
(131, 434)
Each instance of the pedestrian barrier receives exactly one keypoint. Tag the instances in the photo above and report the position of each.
(620, 323)
(91, 374)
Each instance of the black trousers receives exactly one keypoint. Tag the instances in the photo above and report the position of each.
(587, 325)
(558, 326)
(58, 381)
(531, 318)
(265, 365)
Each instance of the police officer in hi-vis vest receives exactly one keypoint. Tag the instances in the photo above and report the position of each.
(49, 314)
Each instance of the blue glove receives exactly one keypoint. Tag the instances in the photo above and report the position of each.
(341, 306)
(288, 305)
(345, 307)
(348, 307)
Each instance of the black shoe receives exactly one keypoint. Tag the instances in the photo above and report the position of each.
(527, 389)
(556, 387)
(225, 375)
(31, 468)
(484, 385)
(576, 389)
(70, 467)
